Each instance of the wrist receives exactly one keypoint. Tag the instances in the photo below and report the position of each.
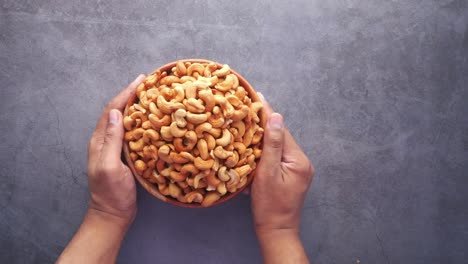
(104, 218)
(269, 234)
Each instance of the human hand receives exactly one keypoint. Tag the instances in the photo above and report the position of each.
(111, 183)
(283, 177)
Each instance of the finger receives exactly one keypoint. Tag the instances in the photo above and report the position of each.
(272, 146)
(117, 102)
(95, 144)
(266, 105)
(112, 147)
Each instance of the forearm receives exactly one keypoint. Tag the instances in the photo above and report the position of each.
(98, 239)
(281, 246)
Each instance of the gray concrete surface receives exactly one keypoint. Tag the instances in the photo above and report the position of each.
(374, 91)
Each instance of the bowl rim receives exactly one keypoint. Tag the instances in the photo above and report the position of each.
(150, 187)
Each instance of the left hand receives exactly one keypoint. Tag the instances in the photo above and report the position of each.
(111, 183)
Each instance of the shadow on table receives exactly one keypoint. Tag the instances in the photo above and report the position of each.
(165, 233)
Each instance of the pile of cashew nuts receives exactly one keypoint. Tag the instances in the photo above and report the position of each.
(194, 132)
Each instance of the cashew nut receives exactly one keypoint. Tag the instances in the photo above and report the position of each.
(168, 80)
(177, 176)
(140, 166)
(203, 149)
(225, 139)
(189, 168)
(210, 141)
(202, 164)
(194, 197)
(164, 153)
(204, 127)
(221, 188)
(174, 190)
(211, 67)
(232, 160)
(167, 107)
(194, 106)
(178, 158)
(177, 131)
(136, 145)
(196, 118)
(186, 144)
(150, 134)
(195, 67)
(223, 71)
(210, 199)
(155, 111)
(180, 68)
(208, 98)
(166, 133)
(159, 122)
(233, 178)
(221, 153)
(222, 174)
(243, 170)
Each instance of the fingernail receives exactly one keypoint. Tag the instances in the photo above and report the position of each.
(141, 76)
(276, 121)
(261, 96)
(113, 117)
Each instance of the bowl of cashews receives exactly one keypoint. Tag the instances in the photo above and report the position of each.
(193, 133)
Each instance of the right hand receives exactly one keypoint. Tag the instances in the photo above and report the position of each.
(283, 177)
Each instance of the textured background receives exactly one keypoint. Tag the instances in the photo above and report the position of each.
(374, 91)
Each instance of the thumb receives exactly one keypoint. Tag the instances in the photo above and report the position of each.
(112, 147)
(272, 145)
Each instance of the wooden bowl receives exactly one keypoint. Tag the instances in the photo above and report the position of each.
(152, 188)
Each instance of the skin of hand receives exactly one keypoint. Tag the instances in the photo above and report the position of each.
(112, 205)
(283, 177)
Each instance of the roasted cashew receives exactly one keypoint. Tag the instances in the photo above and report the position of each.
(159, 122)
(225, 139)
(234, 101)
(139, 108)
(204, 127)
(186, 144)
(166, 133)
(221, 153)
(150, 80)
(243, 170)
(208, 98)
(194, 197)
(180, 68)
(174, 190)
(164, 153)
(203, 149)
(177, 131)
(195, 106)
(240, 93)
(167, 107)
(212, 180)
(189, 168)
(221, 188)
(222, 174)
(179, 93)
(136, 145)
(234, 178)
(223, 71)
(216, 121)
(202, 164)
(169, 80)
(225, 85)
(178, 158)
(150, 152)
(254, 108)
(247, 140)
(196, 118)
(228, 109)
(241, 113)
(140, 166)
(232, 160)
(209, 69)
(163, 189)
(133, 156)
(150, 135)
(210, 198)
(159, 179)
(186, 79)
(210, 141)
(177, 176)
(197, 180)
(257, 136)
(195, 67)
(215, 132)
(155, 111)
(152, 93)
